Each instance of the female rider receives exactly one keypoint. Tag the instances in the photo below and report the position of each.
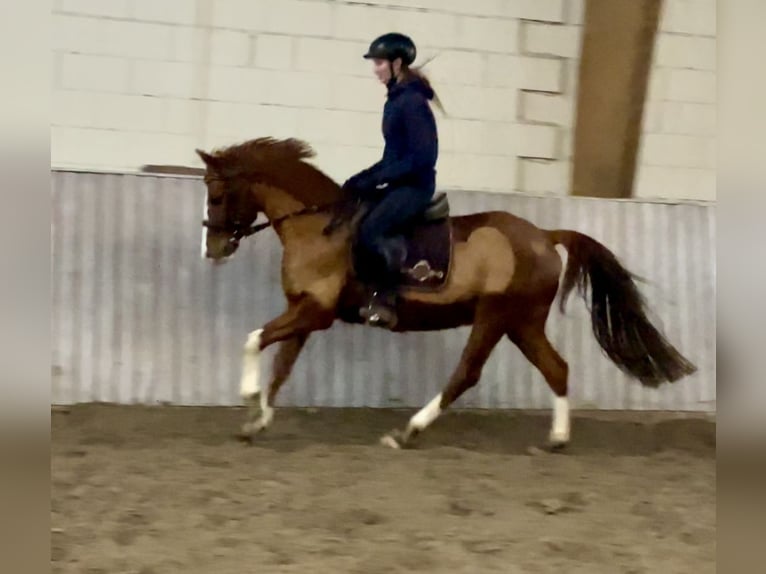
(402, 183)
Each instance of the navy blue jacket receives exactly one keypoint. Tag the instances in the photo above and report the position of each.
(411, 141)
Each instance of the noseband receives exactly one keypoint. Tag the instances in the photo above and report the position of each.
(237, 231)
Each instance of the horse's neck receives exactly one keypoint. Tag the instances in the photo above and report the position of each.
(302, 238)
(276, 202)
(281, 194)
(279, 204)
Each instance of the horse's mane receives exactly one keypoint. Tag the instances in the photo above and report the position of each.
(279, 162)
(262, 151)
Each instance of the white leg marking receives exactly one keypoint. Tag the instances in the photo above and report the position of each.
(427, 414)
(560, 430)
(267, 413)
(251, 365)
(203, 244)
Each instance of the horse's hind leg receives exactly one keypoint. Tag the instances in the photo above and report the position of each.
(534, 344)
(486, 333)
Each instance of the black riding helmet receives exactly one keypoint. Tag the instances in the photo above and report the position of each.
(392, 46)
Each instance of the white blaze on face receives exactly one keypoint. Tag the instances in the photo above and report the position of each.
(203, 244)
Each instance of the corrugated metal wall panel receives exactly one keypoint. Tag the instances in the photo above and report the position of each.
(138, 316)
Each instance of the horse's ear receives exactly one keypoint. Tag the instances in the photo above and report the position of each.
(210, 160)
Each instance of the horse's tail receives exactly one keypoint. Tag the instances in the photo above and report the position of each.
(618, 312)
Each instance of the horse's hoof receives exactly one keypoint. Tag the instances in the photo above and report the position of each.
(243, 437)
(390, 442)
(395, 439)
(249, 431)
(398, 440)
(557, 446)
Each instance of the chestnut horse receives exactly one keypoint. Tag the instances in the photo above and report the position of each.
(503, 280)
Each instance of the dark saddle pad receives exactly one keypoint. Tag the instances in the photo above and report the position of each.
(426, 244)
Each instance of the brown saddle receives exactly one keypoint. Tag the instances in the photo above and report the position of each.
(426, 242)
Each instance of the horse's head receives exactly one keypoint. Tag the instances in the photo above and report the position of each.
(230, 209)
(241, 180)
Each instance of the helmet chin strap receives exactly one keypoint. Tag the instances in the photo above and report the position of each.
(392, 80)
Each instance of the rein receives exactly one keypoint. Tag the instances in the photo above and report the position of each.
(239, 232)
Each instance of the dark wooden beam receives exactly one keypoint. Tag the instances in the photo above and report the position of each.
(617, 47)
(173, 169)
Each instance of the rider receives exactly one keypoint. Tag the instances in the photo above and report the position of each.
(402, 183)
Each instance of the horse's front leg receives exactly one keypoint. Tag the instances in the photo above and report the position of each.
(260, 402)
(291, 329)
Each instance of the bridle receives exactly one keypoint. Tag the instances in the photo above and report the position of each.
(239, 231)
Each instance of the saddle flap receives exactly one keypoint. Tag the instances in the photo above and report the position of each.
(420, 252)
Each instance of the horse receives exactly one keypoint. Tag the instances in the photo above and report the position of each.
(493, 271)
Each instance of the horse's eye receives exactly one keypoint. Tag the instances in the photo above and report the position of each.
(216, 200)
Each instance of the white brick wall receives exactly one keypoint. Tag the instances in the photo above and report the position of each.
(132, 74)
(167, 11)
(678, 146)
(116, 8)
(147, 81)
(694, 17)
(273, 52)
(680, 51)
(542, 38)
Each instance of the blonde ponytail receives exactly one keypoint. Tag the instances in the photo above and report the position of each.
(418, 73)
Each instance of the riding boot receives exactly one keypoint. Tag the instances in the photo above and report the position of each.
(381, 309)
